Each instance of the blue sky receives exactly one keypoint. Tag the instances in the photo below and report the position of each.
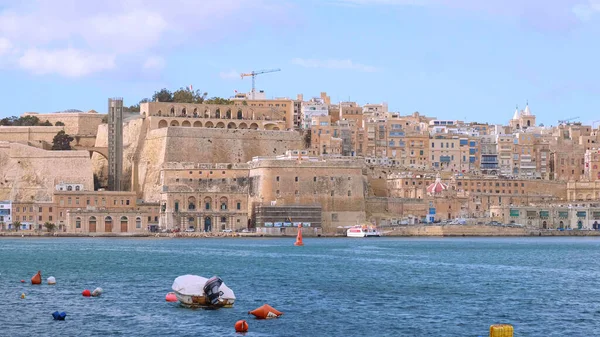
(454, 59)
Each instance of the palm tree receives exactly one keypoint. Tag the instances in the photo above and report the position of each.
(17, 225)
(49, 226)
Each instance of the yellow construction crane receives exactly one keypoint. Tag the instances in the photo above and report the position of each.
(257, 72)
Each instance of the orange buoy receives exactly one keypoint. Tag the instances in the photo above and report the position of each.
(241, 326)
(86, 293)
(171, 297)
(299, 237)
(37, 278)
(22, 281)
(265, 311)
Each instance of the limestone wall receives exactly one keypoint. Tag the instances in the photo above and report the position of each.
(28, 173)
(29, 133)
(75, 123)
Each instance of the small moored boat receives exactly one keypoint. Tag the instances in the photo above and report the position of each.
(200, 292)
(362, 232)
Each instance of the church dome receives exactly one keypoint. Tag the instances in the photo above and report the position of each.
(437, 187)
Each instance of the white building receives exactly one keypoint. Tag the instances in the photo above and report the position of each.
(5, 215)
(316, 107)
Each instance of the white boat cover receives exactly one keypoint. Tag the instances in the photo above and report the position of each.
(193, 285)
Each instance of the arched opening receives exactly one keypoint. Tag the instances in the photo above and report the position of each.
(240, 115)
(195, 112)
(207, 224)
(78, 223)
(270, 126)
(184, 112)
(528, 123)
(207, 203)
(159, 113)
(138, 223)
(228, 114)
(124, 222)
(518, 126)
(108, 224)
(243, 126)
(254, 126)
(220, 125)
(231, 126)
(206, 113)
(174, 123)
(209, 124)
(186, 124)
(223, 203)
(544, 225)
(579, 224)
(191, 203)
(561, 225)
(176, 205)
(218, 113)
(162, 124)
(92, 224)
(69, 188)
(172, 111)
(197, 124)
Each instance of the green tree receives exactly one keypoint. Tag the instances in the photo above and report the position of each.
(62, 141)
(27, 121)
(218, 100)
(50, 227)
(17, 225)
(59, 123)
(8, 121)
(105, 119)
(46, 123)
(163, 95)
(96, 182)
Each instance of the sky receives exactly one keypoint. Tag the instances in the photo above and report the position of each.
(453, 59)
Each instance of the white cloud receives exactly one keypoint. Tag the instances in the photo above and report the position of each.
(231, 74)
(130, 30)
(65, 62)
(586, 11)
(154, 63)
(5, 46)
(333, 64)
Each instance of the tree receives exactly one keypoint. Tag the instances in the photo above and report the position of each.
(105, 119)
(17, 225)
(8, 121)
(59, 123)
(163, 95)
(62, 141)
(96, 182)
(27, 121)
(46, 123)
(218, 100)
(49, 226)
(307, 138)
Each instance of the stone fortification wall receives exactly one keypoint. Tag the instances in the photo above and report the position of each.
(150, 149)
(75, 123)
(28, 173)
(29, 133)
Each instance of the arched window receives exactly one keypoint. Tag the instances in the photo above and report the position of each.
(176, 205)
(184, 112)
(191, 203)
(78, 222)
(223, 203)
(218, 113)
(76, 188)
(138, 222)
(195, 113)
(228, 114)
(528, 123)
(172, 111)
(239, 114)
(69, 188)
(159, 113)
(207, 202)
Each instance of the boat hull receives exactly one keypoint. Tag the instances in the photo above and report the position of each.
(203, 302)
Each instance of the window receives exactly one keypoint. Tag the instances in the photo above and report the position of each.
(78, 223)
(238, 205)
(223, 219)
(50, 218)
(296, 179)
(127, 202)
(138, 222)
(349, 193)
(40, 209)
(314, 178)
(39, 218)
(332, 193)
(277, 178)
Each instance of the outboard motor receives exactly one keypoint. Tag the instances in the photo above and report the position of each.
(211, 289)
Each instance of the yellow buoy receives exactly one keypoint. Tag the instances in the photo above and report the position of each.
(501, 330)
(23, 296)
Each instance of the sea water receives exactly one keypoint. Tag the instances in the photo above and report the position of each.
(328, 287)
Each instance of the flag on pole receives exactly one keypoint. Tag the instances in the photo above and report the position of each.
(235, 91)
(191, 88)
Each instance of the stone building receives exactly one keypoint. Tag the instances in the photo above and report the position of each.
(550, 216)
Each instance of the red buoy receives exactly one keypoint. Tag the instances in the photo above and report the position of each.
(241, 326)
(265, 311)
(37, 278)
(86, 293)
(299, 237)
(171, 297)
(22, 281)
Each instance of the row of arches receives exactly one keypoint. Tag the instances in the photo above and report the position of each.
(107, 224)
(206, 204)
(206, 113)
(163, 123)
(226, 112)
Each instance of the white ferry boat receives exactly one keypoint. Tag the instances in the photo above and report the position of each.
(362, 232)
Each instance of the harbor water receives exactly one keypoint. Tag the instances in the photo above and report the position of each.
(329, 287)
